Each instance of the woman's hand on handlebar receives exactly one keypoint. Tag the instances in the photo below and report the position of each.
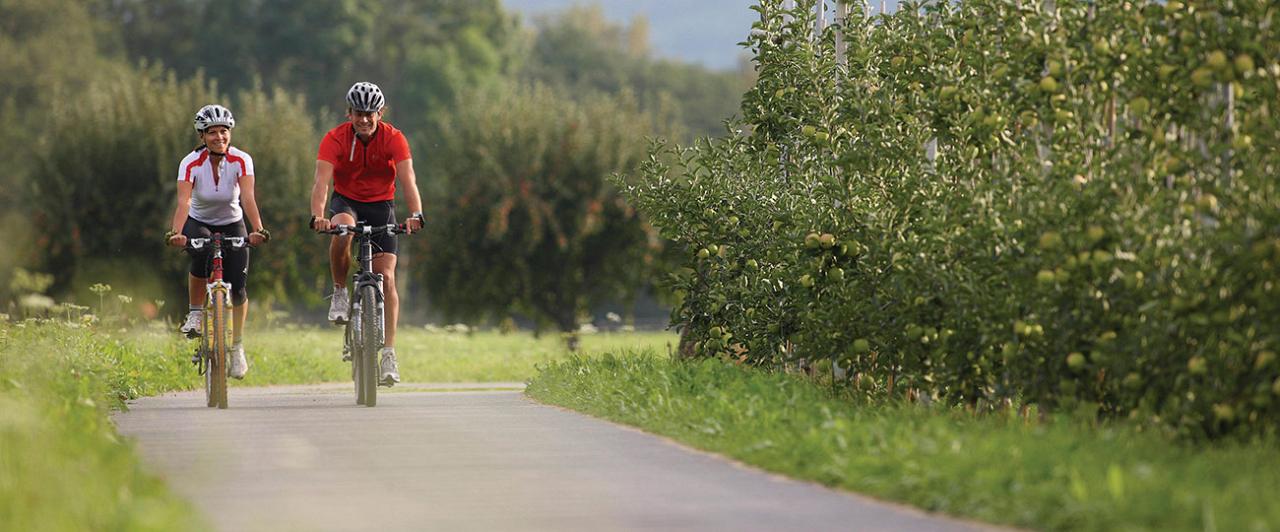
(177, 240)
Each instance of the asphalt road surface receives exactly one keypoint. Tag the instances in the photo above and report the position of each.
(464, 457)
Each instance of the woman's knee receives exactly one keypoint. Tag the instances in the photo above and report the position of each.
(239, 294)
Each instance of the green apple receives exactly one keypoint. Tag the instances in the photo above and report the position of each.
(1048, 84)
(1139, 106)
(861, 346)
(1095, 233)
(1132, 381)
(1198, 365)
(1216, 60)
(1075, 361)
(1050, 240)
(1244, 64)
(1264, 359)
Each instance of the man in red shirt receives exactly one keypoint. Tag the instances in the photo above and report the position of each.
(365, 158)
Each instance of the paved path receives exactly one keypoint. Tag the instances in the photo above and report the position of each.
(458, 457)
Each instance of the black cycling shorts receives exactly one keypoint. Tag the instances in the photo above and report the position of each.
(371, 213)
(235, 262)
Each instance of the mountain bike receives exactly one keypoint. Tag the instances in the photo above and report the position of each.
(210, 357)
(365, 329)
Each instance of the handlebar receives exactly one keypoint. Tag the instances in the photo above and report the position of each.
(197, 244)
(371, 230)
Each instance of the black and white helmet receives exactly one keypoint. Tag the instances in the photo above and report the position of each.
(365, 97)
(214, 115)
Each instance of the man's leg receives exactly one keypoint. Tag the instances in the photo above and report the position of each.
(385, 264)
(340, 251)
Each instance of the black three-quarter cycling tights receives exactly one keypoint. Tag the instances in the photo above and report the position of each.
(235, 262)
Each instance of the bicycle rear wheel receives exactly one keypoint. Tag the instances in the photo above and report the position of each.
(216, 372)
(370, 343)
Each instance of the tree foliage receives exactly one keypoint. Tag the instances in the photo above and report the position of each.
(421, 52)
(105, 190)
(521, 216)
(1098, 231)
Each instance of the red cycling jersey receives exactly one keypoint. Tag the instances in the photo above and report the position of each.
(364, 172)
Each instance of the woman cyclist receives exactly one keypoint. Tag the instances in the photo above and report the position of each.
(214, 180)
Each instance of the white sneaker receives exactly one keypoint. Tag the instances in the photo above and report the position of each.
(194, 326)
(338, 306)
(390, 371)
(239, 366)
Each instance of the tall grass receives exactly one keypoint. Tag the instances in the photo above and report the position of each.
(62, 466)
(1059, 474)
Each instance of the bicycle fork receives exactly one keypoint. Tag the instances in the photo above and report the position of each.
(215, 289)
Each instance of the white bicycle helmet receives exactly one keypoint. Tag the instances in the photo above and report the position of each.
(214, 115)
(365, 97)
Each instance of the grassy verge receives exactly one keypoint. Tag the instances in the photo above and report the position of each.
(1059, 474)
(62, 467)
(302, 355)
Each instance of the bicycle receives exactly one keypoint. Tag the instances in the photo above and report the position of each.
(365, 332)
(210, 357)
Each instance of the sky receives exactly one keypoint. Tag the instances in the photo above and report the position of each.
(705, 32)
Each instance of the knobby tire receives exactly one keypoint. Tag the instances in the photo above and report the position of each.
(370, 343)
(217, 370)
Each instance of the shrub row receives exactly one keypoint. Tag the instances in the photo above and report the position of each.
(1099, 229)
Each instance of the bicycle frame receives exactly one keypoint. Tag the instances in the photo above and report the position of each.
(217, 290)
(361, 348)
(363, 277)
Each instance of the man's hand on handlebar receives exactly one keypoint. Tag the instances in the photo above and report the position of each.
(178, 241)
(414, 223)
(320, 224)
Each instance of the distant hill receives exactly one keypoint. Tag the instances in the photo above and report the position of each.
(705, 32)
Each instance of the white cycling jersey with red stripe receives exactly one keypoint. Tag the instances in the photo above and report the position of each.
(215, 192)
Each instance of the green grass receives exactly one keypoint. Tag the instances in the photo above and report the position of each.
(302, 355)
(1057, 474)
(62, 466)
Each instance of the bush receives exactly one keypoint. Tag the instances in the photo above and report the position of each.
(1099, 229)
(103, 194)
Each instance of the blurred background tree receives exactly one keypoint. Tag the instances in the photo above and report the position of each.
(526, 222)
(100, 94)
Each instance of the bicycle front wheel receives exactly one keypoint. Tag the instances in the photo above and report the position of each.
(218, 312)
(370, 343)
